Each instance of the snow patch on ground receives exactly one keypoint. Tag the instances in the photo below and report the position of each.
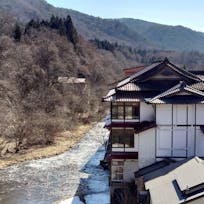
(74, 200)
(100, 198)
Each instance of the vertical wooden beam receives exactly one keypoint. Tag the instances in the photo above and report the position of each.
(111, 115)
(172, 130)
(124, 126)
(156, 132)
(195, 139)
(124, 111)
(187, 131)
(111, 105)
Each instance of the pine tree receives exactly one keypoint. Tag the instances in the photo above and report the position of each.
(17, 33)
(62, 28)
(70, 30)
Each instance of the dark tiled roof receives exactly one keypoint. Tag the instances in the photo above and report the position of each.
(130, 96)
(153, 167)
(130, 78)
(174, 91)
(130, 87)
(179, 100)
(198, 86)
(123, 97)
(183, 72)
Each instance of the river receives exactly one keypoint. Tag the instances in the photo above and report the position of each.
(74, 173)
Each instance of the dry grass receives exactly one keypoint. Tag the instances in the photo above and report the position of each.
(63, 142)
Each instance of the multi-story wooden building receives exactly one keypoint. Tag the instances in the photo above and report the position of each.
(155, 113)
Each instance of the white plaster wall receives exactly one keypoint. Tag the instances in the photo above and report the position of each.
(146, 112)
(130, 167)
(179, 114)
(146, 154)
(135, 149)
(164, 114)
(199, 142)
(200, 114)
(191, 141)
(164, 140)
(179, 141)
(191, 114)
(182, 115)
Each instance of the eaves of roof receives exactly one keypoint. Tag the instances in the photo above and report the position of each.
(173, 91)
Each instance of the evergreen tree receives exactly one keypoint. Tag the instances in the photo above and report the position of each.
(70, 30)
(17, 33)
(54, 22)
(62, 28)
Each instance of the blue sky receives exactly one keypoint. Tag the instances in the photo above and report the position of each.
(189, 13)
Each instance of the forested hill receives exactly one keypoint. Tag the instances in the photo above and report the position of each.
(34, 104)
(137, 33)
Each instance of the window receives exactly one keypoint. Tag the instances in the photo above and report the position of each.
(117, 141)
(128, 110)
(117, 111)
(120, 112)
(114, 112)
(136, 111)
(129, 138)
(117, 170)
(132, 111)
(122, 138)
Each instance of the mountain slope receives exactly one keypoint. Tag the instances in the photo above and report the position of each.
(137, 33)
(88, 26)
(168, 37)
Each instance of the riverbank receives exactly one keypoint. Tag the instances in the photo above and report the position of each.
(63, 142)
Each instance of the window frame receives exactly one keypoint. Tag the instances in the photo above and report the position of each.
(123, 137)
(116, 170)
(122, 114)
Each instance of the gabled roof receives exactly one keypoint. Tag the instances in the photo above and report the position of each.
(156, 65)
(182, 87)
(132, 77)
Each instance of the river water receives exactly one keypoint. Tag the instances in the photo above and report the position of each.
(74, 173)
